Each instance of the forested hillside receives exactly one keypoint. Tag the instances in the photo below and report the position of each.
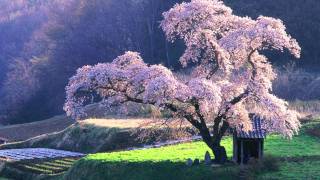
(43, 42)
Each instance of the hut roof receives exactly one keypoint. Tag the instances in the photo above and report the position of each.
(257, 130)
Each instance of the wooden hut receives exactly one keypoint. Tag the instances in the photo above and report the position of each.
(248, 145)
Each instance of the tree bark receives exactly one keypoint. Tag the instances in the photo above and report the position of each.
(219, 151)
(214, 143)
(220, 154)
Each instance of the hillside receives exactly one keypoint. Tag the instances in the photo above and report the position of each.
(88, 136)
(23, 132)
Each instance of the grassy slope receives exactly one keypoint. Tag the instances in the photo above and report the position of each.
(25, 131)
(80, 138)
(22, 132)
(300, 160)
(89, 136)
(92, 136)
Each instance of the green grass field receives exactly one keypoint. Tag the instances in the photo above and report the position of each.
(300, 159)
(159, 163)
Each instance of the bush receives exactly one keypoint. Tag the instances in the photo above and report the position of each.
(270, 163)
(255, 167)
(293, 83)
(313, 130)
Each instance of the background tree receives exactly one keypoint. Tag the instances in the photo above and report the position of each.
(68, 35)
(230, 80)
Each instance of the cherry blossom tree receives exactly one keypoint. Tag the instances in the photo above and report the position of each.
(230, 77)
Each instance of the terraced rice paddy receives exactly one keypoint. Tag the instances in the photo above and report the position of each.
(31, 162)
(50, 167)
(35, 153)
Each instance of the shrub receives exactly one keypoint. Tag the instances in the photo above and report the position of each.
(270, 163)
(313, 130)
(255, 167)
(293, 83)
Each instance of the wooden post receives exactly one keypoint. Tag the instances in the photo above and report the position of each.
(259, 149)
(235, 149)
(262, 141)
(241, 152)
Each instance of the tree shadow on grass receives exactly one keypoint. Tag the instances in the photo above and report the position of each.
(301, 158)
(163, 170)
(89, 169)
(300, 167)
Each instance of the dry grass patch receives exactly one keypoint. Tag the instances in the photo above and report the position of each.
(117, 123)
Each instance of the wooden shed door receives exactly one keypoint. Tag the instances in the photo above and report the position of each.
(250, 149)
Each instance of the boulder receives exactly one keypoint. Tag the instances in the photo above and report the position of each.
(196, 162)
(189, 162)
(207, 158)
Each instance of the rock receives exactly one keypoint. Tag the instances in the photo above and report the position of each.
(2, 166)
(196, 162)
(189, 162)
(207, 158)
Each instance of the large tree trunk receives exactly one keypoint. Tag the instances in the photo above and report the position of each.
(214, 144)
(214, 141)
(219, 128)
(220, 154)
